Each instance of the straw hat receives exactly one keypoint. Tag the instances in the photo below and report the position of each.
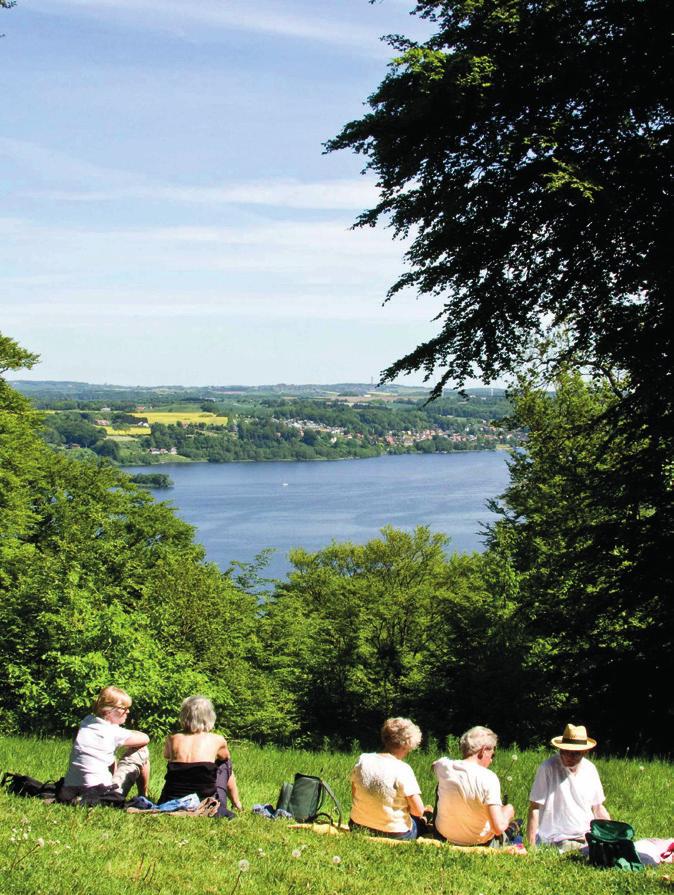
(574, 739)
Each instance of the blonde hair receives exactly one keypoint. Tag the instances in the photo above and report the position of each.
(399, 733)
(111, 698)
(475, 739)
(197, 715)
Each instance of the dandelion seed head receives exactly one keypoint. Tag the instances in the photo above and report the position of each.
(260, 852)
(641, 767)
(296, 853)
(244, 865)
(39, 842)
(509, 778)
(24, 821)
(336, 859)
(514, 757)
(24, 835)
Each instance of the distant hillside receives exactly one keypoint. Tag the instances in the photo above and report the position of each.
(48, 390)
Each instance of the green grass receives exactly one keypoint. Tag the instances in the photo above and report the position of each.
(111, 853)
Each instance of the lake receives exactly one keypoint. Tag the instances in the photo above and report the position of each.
(240, 508)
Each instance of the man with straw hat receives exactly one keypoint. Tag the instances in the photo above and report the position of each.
(567, 793)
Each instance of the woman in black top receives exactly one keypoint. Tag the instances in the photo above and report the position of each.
(199, 760)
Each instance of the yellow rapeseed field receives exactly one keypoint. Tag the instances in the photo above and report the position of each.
(167, 418)
(128, 430)
(171, 417)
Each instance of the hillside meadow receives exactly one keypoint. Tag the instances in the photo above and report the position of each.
(105, 852)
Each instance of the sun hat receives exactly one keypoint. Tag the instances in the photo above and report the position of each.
(574, 739)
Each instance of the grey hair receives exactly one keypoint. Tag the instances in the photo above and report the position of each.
(399, 733)
(475, 739)
(197, 715)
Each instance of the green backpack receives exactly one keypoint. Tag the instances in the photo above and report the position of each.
(611, 844)
(304, 798)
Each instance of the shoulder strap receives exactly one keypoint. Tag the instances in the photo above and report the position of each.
(326, 787)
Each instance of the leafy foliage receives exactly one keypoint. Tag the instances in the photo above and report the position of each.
(582, 538)
(526, 148)
(100, 583)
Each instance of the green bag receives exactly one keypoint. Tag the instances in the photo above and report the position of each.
(611, 844)
(304, 799)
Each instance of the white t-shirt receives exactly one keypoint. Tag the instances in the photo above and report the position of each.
(381, 785)
(94, 751)
(465, 789)
(566, 799)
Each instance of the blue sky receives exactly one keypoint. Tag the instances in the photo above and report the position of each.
(167, 214)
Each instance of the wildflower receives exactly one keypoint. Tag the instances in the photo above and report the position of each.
(336, 859)
(641, 767)
(39, 842)
(24, 835)
(244, 865)
(296, 853)
(514, 756)
(509, 778)
(260, 852)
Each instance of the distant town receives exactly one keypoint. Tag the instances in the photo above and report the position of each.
(146, 425)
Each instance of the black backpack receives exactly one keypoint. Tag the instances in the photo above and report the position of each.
(304, 799)
(29, 787)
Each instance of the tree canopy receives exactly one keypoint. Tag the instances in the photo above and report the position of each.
(526, 149)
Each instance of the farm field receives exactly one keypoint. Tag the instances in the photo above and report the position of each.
(171, 417)
(167, 418)
(105, 852)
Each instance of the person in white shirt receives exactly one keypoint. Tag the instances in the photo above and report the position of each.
(470, 810)
(386, 798)
(566, 794)
(92, 764)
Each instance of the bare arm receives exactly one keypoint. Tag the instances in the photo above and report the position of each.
(168, 748)
(135, 740)
(500, 816)
(600, 812)
(223, 752)
(532, 823)
(233, 792)
(415, 805)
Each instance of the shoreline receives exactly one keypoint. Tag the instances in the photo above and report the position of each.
(184, 461)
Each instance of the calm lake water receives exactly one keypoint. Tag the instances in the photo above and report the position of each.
(240, 508)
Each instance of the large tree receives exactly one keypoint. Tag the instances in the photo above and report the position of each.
(593, 579)
(526, 149)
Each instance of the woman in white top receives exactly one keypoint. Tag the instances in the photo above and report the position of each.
(386, 798)
(92, 764)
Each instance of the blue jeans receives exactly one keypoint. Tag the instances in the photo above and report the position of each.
(418, 829)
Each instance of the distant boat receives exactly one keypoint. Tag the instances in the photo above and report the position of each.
(285, 484)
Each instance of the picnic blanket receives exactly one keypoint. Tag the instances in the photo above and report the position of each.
(333, 830)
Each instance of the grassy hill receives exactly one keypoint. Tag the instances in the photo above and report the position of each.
(105, 852)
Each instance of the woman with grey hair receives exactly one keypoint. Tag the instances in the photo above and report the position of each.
(386, 798)
(198, 759)
(470, 810)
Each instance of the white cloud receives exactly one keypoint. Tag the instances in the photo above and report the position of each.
(82, 181)
(274, 18)
(283, 193)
